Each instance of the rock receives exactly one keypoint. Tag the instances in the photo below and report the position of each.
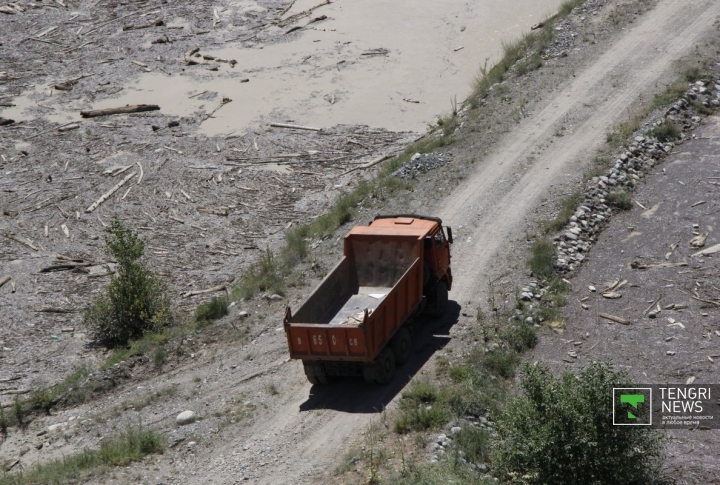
(57, 426)
(441, 438)
(275, 297)
(592, 288)
(652, 315)
(185, 417)
(455, 430)
(191, 444)
(640, 139)
(243, 314)
(482, 468)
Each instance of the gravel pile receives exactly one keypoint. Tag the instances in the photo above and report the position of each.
(421, 163)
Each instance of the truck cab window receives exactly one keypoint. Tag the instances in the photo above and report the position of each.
(439, 238)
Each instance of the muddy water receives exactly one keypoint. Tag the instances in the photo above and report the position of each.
(320, 77)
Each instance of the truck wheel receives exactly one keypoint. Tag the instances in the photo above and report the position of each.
(401, 345)
(441, 300)
(385, 367)
(316, 374)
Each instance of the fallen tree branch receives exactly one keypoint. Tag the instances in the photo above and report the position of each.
(110, 192)
(614, 318)
(22, 240)
(295, 127)
(131, 108)
(202, 292)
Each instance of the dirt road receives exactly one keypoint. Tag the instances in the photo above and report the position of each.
(295, 434)
(491, 207)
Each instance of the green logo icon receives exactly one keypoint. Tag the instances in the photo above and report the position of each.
(633, 400)
(632, 406)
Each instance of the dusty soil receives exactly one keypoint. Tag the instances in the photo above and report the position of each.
(261, 420)
(681, 200)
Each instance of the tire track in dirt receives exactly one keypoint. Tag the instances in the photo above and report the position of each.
(496, 209)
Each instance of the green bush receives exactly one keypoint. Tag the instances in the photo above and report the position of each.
(215, 309)
(520, 336)
(620, 199)
(561, 432)
(666, 132)
(474, 443)
(501, 362)
(135, 301)
(266, 275)
(542, 258)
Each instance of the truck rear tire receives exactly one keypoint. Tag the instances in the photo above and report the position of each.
(385, 367)
(401, 345)
(441, 300)
(316, 374)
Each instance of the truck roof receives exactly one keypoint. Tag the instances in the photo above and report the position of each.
(399, 225)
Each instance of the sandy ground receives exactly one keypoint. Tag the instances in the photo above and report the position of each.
(294, 436)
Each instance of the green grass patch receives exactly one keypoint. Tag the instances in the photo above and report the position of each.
(670, 95)
(623, 131)
(666, 132)
(501, 362)
(542, 258)
(266, 276)
(620, 199)
(214, 309)
(131, 445)
(568, 207)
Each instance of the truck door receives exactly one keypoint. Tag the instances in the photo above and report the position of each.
(442, 254)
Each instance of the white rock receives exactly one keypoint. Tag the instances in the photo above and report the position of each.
(191, 444)
(243, 314)
(53, 427)
(275, 297)
(185, 417)
(455, 430)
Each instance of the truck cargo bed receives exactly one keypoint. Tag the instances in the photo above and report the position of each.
(351, 309)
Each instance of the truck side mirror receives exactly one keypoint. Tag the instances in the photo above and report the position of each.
(449, 234)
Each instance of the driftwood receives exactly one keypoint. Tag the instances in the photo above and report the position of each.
(22, 240)
(131, 108)
(711, 250)
(64, 267)
(222, 211)
(214, 289)
(4, 280)
(110, 192)
(295, 127)
(371, 163)
(614, 318)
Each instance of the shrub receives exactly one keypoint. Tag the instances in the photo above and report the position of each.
(135, 301)
(666, 132)
(501, 362)
(520, 336)
(620, 199)
(561, 432)
(265, 276)
(542, 258)
(215, 309)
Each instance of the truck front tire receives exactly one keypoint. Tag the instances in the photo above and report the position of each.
(441, 300)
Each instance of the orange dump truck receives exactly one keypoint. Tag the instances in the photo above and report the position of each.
(357, 321)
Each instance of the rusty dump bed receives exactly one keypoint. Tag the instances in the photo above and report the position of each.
(358, 307)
